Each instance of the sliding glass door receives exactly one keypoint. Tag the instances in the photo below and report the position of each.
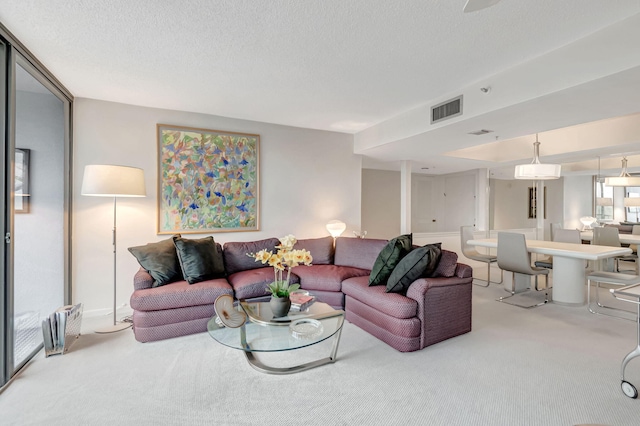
(39, 210)
(35, 116)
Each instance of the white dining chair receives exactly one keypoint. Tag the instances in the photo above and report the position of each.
(560, 236)
(611, 278)
(466, 234)
(513, 256)
(610, 236)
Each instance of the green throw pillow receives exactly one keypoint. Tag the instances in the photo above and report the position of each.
(160, 260)
(388, 258)
(200, 259)
(418, 263)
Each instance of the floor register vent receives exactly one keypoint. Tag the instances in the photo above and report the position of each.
(445, 110)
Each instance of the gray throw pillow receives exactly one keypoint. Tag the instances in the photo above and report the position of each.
(418, 263)
(200, 259)
(160, 260)
(389, 257)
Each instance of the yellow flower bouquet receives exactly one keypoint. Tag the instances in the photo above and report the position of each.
(283, 261)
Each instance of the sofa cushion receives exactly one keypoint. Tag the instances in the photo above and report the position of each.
(357, 252)
(254, 282)
(393, 304)
(388, 258)
(160, 260)
(179, 295)
(326, 277)
(321, 249)
(418, 263)
(200, 259)
(447, 264)
(235, 254)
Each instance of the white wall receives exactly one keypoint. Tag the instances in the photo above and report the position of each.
(307, 177)
(438, 203)
(578, 200)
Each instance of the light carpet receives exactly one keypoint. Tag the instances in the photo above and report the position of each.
(552, 365)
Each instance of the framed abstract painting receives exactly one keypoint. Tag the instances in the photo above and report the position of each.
(207, 180)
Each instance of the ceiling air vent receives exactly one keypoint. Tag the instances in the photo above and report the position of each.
(446, 110)
(481, 132)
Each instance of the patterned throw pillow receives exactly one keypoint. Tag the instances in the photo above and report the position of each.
(388, 258)
(447, 264)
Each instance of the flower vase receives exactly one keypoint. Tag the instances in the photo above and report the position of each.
(280, 306)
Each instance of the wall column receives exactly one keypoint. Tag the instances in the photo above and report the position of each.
(405, 197)
(540, 208)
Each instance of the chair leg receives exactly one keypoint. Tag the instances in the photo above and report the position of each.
(513, 293)
(546, 283)
(488, 281)
(597, 312)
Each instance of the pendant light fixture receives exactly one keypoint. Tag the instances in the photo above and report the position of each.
(536, 170)
(625, 179)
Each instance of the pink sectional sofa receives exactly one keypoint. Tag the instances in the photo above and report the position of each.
(432, 310)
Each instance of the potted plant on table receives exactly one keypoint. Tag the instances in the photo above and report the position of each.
(282, 261)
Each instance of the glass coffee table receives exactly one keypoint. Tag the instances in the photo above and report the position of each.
(264, 333)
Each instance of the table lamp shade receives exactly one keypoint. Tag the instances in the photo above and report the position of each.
(113, 181)
(336, 227)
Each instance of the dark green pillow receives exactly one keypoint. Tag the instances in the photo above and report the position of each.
(160, 260)
(418, 263)
(200, 259)
(388, 258)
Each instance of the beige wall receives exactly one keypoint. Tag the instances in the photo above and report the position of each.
(381, 203)
(510, 203)
(307, 177)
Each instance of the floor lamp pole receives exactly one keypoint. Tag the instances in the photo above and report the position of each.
(122, 326)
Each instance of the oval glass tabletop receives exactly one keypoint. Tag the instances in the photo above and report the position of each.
(272, 337)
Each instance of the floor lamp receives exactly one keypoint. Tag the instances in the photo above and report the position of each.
(113, 181)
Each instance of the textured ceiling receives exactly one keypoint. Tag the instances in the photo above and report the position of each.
(330, 64)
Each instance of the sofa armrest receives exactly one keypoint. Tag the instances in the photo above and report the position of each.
(142, 280)
(463, 271)
(444, 306)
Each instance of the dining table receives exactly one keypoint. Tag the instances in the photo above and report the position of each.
(569, 272)
(624, 238)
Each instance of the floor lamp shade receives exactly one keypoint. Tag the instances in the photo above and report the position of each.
(113, 181)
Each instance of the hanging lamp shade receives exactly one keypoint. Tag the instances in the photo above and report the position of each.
(625, 179)
(604, 201)
(632, 201)
(536, 170)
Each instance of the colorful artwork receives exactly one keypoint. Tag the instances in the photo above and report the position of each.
(208, 181)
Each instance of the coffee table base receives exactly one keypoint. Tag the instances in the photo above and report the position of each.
(263, 368)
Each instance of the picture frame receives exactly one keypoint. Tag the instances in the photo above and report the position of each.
(21, 194)
(533, 202)
(208, 180)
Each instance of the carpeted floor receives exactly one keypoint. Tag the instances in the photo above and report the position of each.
(552, 365)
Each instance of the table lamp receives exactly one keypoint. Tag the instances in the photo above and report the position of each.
(587, 222)
(336, 227)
